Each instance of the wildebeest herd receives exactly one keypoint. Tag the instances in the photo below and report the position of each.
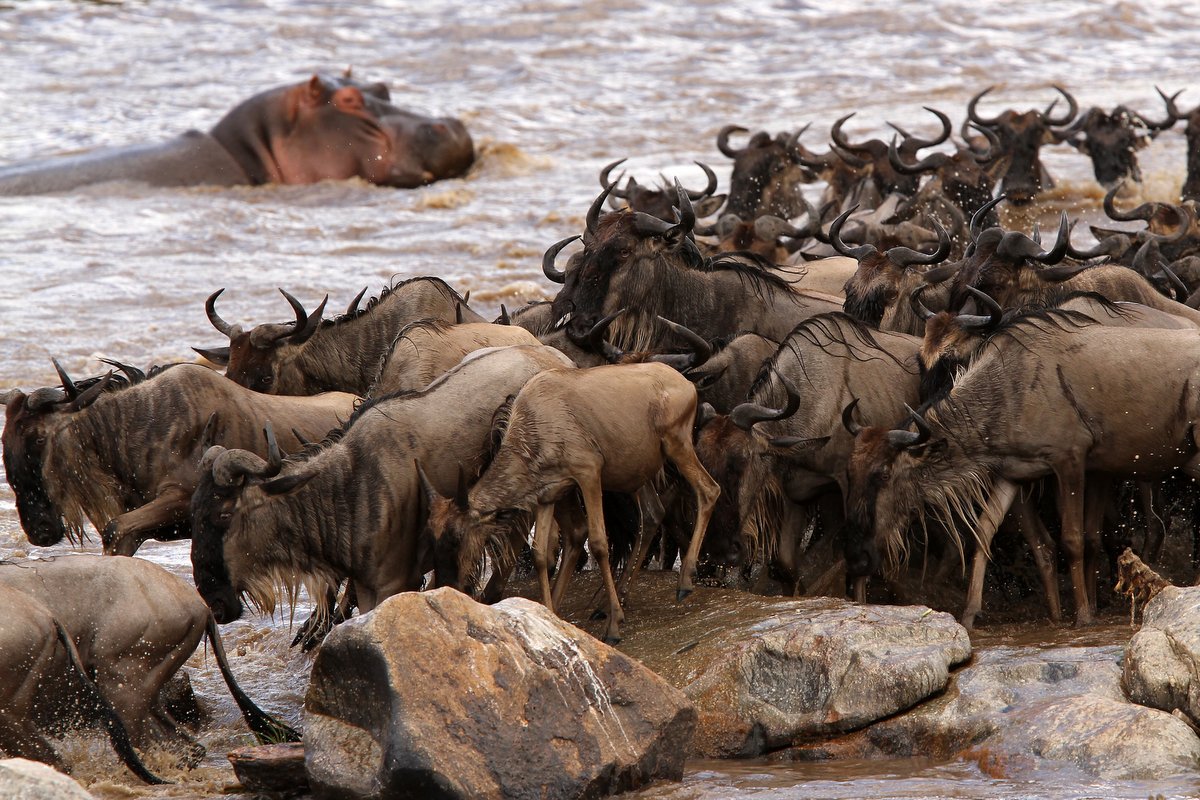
(810, 389)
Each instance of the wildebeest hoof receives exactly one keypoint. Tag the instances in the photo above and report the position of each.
(599, 613)
(681, 595)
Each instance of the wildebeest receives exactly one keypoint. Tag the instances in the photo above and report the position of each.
(40, 673)
(605, 428)
(654, 269)
(1111, 140)
(124, 457)
(133, 625)
(767, 174)
(1021, 136)
(886, 177)
(724, 378)
(658, 202)
(311, 355)
(1191, 185)
(798, 448)
(959, 177)
(350, 509)
(428, 348)
(1050, 394)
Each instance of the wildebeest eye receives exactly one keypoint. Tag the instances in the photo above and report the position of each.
(267, 380)
(40, 440)
(626, 253)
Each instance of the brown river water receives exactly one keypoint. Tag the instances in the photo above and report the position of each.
(551, 91)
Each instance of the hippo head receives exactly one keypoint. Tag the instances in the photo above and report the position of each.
(334, 128)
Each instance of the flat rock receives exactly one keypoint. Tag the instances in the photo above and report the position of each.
(766, 672)
(1162, 660)
(270, 767)
(22, 779)
(1017, 710)
(432, 695)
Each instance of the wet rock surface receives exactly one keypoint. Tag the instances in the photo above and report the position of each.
(270, 767)
(21, 779)
(1162, 660)
(1019, 710)
(434, 695)
(765, 672)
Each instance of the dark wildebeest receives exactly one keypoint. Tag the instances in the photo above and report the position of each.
(124, 457)
(886, 177)
(320, 129)
(797, 448)
(637, 262)
(428, 348)
(1191, 185)
(40, 674)
(1021, 136)
(659, 202)
(960, 178)
(350, 509)
(606, 428)
(1050, 394)
(1112, 140)
(311, 355)
(133, 625)
(724, 378)
(767, 174)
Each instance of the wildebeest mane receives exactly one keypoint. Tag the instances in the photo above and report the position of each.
(1034, 324)
(385, 294)
(752, 268)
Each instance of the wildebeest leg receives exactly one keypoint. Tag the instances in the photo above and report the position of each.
(1025, 515)
(123, 535)
(1098, 497)
(20, 738)
(994, 510)
(1071, 482)
(679, 449)
(502, 568)
(543, 530)
(652, 513)
(571, 523)
(593, 504)
(1156, 529)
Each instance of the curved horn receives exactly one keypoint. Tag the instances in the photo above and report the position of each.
(504, 318)
(306, 324)
(68, 385)
(460, 492)
(852, 427)
(905, 256)
(1173, 113)
(994, 148)
(1065, 271)
(707, 190)
(593, 341)
(687, 215)
(1181, 230)
(353, 307)
(701, 349)
(1143, 212)
(210, 308)
(747, 415)
(902, 440)
(839, 138)
(1072, 109)
(973, 116)
(607, 184)
(978, 217)
(928, 164)
(134, 374)
(593, 214)
(231, 465)
(919, 308)
(274, 457)
(835, 238)
(723, 140)
(991, 320)
(548, 268)
(920, 144)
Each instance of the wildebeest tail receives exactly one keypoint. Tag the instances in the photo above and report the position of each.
(112, 723)
(268, 729)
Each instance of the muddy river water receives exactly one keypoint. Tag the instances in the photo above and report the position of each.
(551, 92)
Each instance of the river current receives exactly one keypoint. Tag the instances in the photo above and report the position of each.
(551, 91)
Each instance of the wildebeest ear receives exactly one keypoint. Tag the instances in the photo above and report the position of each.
(217, 355)
(288, 483)
(9, 396)
(704, 415)
(709, 205)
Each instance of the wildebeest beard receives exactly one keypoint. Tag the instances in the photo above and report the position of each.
(869, 307)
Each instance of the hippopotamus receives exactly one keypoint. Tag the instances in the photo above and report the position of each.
(318, 129)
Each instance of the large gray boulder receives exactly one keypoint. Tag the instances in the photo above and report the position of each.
(1019, 709)
(1162, 660)
(21, 779)
(765, 672)
(432, 695)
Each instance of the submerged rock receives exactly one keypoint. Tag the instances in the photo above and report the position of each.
(1015, 710)
(21, 779)
(766, 672)
(434, 695)
(1162, 661)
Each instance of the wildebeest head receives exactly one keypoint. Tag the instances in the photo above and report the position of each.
(617, 246)
(1191, 186)
(879, 277)
(262, 357)
(962, 174)
(951, 339)
(882, 496)
(225, 477)
(1021, 136)
(1112, 140)
(30, 423)
(659, 202)
(767, 174)
(886, 177)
